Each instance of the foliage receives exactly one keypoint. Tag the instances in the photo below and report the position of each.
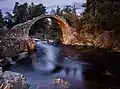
(101, 14)
(20, 12)
(68, 9)
(1, 20)
(58, 11)
(68, 13)
(36, 10)
(9, 20)
(23, 12)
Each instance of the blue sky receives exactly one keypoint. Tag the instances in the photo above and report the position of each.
(10, 3)
(7, 5)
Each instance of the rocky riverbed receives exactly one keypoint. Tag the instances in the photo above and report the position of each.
(12, 80)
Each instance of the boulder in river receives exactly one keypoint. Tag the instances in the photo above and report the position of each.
(13, 80)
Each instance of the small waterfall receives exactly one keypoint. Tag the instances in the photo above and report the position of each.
(46, 57)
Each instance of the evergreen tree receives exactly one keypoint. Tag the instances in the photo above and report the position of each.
(101, 14)
(36, 10)
(1, 20)
(9, 20)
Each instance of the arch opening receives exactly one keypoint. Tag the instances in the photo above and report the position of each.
(47, 28)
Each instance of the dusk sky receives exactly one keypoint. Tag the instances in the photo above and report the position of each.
(7, 5)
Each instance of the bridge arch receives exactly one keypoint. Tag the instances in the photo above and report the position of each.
(69, 34)
(60, 21)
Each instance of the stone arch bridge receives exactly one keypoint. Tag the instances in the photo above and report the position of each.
(17, 39)
(68, 33)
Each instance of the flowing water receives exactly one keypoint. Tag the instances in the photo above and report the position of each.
(46, 64)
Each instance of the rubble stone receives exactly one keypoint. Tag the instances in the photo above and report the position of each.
(13, 80)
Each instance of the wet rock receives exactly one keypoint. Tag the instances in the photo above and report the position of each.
(104, 40)
(5, 62)
(1, 71)
(117, 49)
(13, 80)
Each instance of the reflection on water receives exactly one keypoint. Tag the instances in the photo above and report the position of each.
(46, 64)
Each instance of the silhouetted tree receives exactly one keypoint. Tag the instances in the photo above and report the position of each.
(20, 12)
(25, 12)
(1, 20)
(68, 9)
(58, 11)
(36, 10)
(69, 13)
(9, 20)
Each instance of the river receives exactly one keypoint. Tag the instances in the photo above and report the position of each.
(47, 63)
